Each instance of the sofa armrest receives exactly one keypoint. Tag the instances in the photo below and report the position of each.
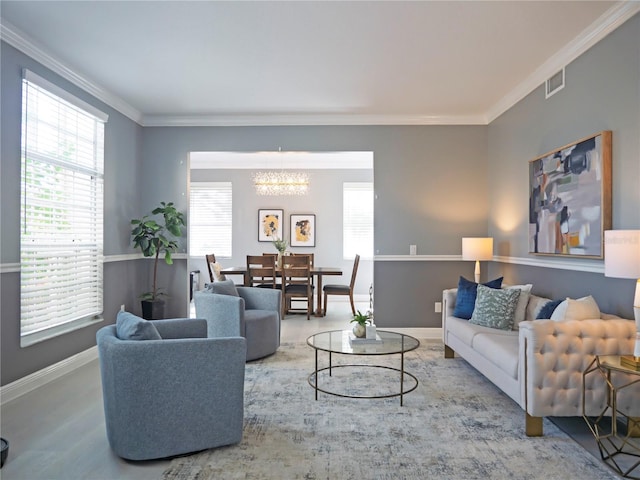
(448, 305)
(553, 356)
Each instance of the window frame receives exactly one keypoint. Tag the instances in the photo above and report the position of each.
(59, 234)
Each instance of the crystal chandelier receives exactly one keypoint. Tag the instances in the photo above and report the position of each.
(281, 183)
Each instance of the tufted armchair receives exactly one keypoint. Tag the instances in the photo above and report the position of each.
(178, 393)
(249, 312)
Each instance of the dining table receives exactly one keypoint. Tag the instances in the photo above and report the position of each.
(317, 272)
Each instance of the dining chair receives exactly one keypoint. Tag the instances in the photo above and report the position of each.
(211, 259)
(296, 283)
(261, 271)
(343, 289)
(311, 260)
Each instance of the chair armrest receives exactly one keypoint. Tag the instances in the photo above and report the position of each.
(553, 356)
(224, 314)
(261, 298)
(181, 328)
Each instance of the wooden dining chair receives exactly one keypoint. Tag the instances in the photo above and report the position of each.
(261, 271)
(211, 259)
(342, 289)
(296, 284)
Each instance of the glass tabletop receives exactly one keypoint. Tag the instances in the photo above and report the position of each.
(338, 341)
(614, 362)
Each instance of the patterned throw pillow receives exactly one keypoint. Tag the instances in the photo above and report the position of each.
(495, 308)
(548, 309)
(466, 296)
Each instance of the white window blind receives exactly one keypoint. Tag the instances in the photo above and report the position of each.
(61, 232)
(210, 219)
(357, 219)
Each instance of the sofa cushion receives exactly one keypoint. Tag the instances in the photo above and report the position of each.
(523, 301)
(466, 296)
(581, 309)
(547, 310)
(495, 308)
(501, 350)
(131, 327)
(534, 306)
(226, 287)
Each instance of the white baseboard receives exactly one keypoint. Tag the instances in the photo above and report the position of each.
(37, 379)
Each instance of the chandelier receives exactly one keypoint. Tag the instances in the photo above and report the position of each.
(281, 183)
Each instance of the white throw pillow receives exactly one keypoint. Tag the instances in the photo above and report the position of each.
(581, 309)
(219, 277)
(523, 300)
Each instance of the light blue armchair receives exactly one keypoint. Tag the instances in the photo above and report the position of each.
(170, 396)
(250, 312)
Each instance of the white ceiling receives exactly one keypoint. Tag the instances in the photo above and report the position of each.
(334, 62)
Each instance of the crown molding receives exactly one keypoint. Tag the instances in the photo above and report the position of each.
(18, 39)
(603, 26)
(258, 120)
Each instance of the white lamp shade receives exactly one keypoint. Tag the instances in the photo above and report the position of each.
(622, 254)
(477, 248)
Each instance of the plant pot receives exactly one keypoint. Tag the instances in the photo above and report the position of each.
(359, 330)
(4, 452)
(152, 309)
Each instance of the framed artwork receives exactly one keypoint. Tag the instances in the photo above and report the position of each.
(570, 198)
(303, 230)
(270, 225)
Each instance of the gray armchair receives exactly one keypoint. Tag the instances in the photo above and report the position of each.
(178, 394)
(249, 312)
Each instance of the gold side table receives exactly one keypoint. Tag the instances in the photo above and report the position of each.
(619, 447)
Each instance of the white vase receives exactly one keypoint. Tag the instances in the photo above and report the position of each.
(359, 330)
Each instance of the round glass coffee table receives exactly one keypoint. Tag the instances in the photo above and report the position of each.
(338, 341)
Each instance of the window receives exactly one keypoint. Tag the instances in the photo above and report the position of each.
(357, 219)
(61, 241)
(210, 219)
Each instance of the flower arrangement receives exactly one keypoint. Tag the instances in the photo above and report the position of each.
(280, 244)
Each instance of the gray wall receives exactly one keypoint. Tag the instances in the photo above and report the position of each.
(122, 172)
(602, 93)
(430, 183)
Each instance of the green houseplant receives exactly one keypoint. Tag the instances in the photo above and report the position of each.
(154, 238)
(360, 319)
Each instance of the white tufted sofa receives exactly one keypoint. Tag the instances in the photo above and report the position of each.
(540, 365)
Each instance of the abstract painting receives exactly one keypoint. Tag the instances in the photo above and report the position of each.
(270, 225)
(570, 198)
(303, 230)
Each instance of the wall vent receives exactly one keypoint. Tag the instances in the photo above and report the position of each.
(554, 84)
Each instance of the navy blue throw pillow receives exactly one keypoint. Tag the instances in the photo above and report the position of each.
(466, 297)
(547, 310)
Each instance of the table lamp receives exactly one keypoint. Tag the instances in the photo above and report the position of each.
(622, 260)
(477, 248)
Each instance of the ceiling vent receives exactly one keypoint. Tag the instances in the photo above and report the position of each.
(554, 84)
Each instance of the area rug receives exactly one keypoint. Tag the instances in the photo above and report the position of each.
(455, 425)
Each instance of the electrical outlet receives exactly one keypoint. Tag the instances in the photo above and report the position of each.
(438, 307)
(122, 307)
(412, 249)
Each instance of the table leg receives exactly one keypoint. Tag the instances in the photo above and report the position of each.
(319, 297)
(401, 378)
(329, 363)
(316, 374)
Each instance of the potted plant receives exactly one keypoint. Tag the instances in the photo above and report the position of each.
(360, 319)
(152, 238)
(281, 246)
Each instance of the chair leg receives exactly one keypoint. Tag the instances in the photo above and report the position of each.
(353, 307)
(324, 307)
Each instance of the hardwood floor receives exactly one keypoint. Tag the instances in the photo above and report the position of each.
(58, 432)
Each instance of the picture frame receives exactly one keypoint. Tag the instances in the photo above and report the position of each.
(302, 230)
(570, 198)
(270, 224)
